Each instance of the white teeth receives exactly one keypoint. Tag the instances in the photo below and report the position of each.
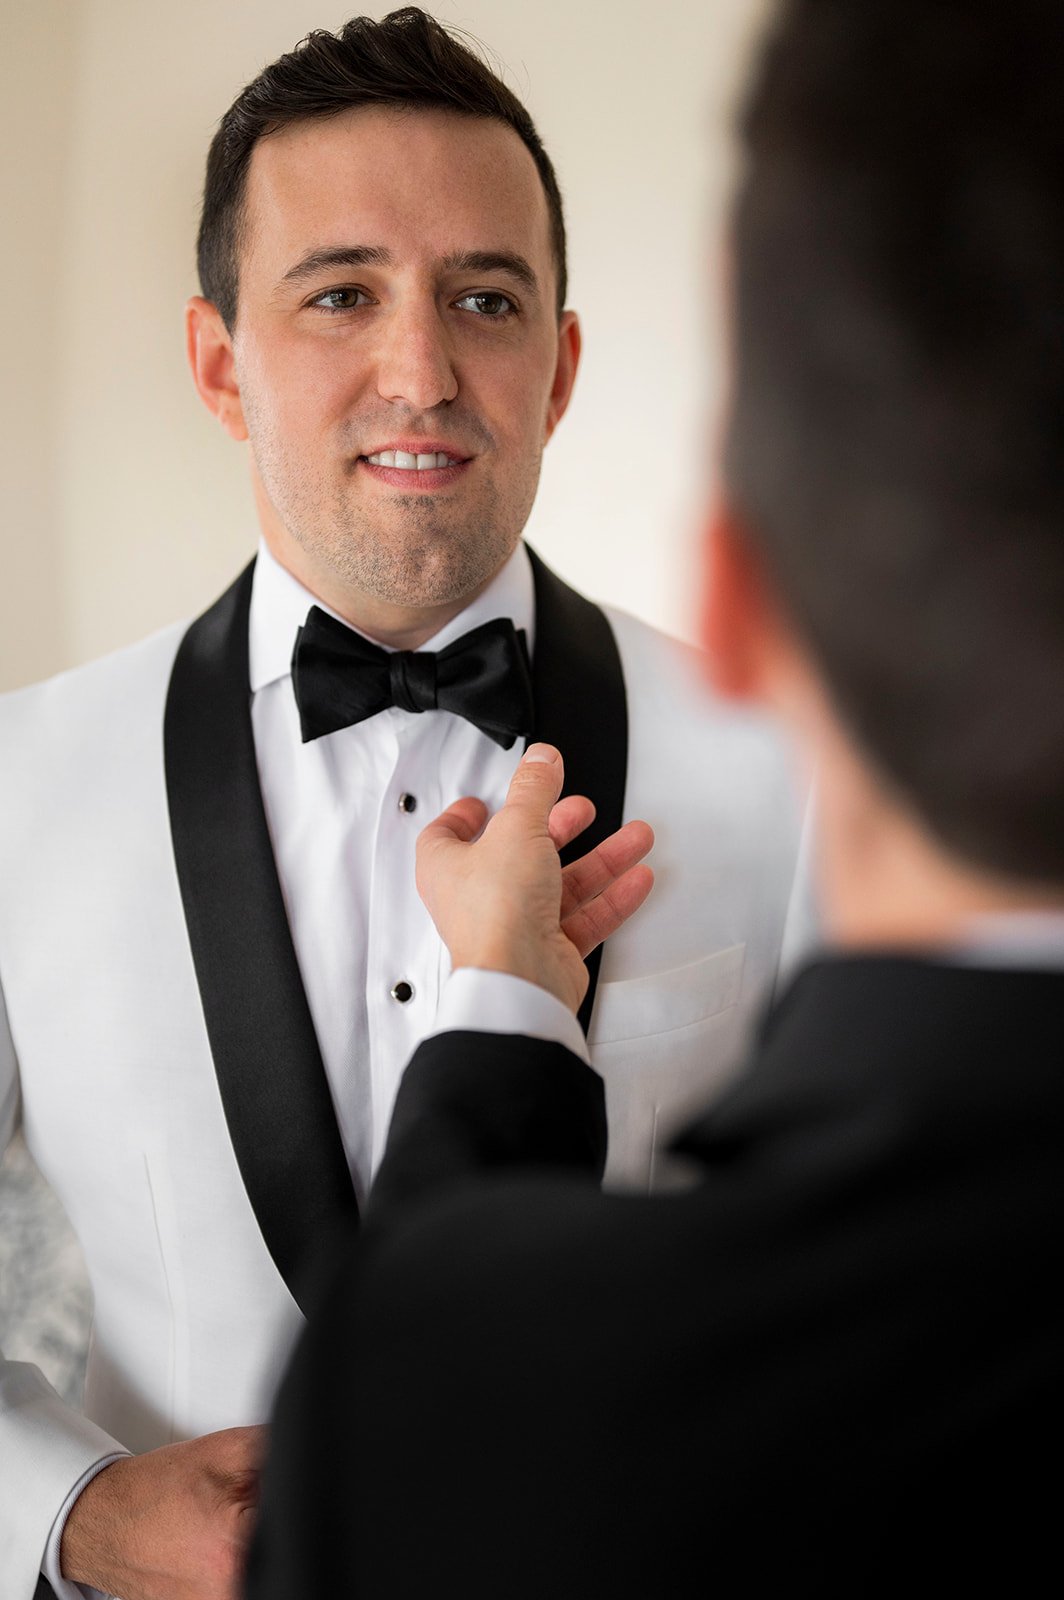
(411, 463)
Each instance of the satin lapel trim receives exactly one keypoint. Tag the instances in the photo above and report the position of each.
(582, 707)
(270, 1072)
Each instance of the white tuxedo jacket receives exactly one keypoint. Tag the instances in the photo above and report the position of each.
(154, 1037)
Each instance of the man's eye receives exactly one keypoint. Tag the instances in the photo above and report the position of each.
(487, 304)
(341, 299)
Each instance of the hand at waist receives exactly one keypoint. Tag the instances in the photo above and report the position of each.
(171, 1523)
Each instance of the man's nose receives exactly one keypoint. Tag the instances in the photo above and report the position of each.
(415, 362)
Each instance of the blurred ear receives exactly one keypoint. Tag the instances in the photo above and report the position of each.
(738, 613)
(210, 355)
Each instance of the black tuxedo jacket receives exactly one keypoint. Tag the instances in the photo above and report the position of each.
(833, 1363)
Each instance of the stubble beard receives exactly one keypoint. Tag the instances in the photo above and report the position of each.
(418, 551)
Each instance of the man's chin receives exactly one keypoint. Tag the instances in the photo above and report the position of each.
(431, 574)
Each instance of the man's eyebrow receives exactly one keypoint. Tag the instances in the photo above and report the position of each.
(352, 255)
(493, 261)
(331, 258)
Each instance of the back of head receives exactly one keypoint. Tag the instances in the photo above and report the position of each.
(896, 442)
(407, 60)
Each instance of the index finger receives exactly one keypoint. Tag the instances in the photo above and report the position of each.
(461, 822)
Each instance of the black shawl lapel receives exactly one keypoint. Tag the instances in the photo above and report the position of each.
(270, 1072)
(581, 707)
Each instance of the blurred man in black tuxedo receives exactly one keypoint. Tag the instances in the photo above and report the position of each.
(833, 1359)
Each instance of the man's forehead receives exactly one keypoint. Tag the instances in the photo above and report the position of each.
(379, 164)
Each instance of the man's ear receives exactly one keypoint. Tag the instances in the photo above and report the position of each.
(210, 355)
(569, 342)
(738, 611)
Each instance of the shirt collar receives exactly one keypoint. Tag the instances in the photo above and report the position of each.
(1012, 939)
(279, 605)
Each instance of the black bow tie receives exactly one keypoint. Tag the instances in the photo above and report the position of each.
(341, 678)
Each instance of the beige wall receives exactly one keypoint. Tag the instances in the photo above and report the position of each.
(37, 57)
(124, 506)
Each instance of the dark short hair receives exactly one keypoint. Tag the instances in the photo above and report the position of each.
(408, 59)
(895, 445)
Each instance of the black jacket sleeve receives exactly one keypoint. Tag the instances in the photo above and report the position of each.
(470, 1103)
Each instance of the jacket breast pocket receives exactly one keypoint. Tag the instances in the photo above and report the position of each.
(665, 1045)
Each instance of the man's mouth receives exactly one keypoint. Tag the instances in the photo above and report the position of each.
(405, 461)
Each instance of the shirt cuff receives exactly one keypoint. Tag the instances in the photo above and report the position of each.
(64, 1589)
(476, 1000)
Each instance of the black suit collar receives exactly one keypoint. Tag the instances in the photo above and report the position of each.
(271, 1077)
(879, 1036)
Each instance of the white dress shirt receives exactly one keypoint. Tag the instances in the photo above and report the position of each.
(344, 812)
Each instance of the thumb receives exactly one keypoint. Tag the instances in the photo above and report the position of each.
(536, 785)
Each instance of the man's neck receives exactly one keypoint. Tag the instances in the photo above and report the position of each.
(886, 882)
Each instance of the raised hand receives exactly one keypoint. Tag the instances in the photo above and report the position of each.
(500, 897)
(172, 1524)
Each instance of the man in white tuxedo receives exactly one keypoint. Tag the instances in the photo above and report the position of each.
(214, 960)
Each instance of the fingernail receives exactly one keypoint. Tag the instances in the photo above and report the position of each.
(541, 752)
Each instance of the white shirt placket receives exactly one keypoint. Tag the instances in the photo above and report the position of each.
(402, 977)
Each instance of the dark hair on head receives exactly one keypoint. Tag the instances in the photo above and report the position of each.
(896, 440)
(408, 59)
